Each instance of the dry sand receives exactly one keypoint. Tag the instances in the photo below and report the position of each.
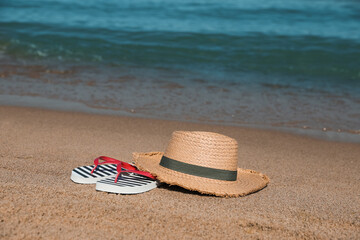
(313, 193)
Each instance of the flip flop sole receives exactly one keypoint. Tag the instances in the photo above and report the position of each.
(126, 184)
(83, 174)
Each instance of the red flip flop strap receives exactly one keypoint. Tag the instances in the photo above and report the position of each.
(109, 160)
(119, 166)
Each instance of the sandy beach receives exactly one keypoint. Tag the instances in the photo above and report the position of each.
(313, 193)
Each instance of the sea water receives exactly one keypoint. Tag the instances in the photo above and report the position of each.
(292, 64)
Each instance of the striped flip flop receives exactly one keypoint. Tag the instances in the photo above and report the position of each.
(83, 174)
(100, 170)
(127, 183)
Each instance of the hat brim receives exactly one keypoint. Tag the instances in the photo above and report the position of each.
(248, 181)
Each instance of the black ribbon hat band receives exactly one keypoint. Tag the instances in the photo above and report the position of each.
(213, 173)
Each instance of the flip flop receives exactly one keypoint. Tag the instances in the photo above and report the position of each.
(83, 174)
(127, 183)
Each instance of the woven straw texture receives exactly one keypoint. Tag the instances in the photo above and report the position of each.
(203, 149)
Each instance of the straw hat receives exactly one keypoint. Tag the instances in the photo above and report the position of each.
(202, 161)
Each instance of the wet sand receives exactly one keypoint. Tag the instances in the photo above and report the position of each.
(313, 193)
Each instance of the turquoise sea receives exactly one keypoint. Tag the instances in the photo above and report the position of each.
(291, 64)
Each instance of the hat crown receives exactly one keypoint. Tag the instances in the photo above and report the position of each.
(204, 149)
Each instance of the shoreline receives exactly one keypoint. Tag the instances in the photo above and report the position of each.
(313, 190)
(69, 106)
(249, 99)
